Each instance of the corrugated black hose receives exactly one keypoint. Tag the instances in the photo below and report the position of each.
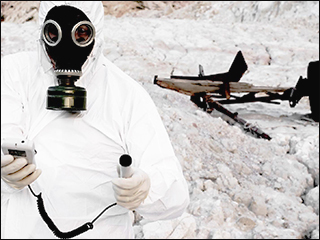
(85, 227)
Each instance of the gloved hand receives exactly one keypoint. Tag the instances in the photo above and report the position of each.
(130, 192)
(17, 173)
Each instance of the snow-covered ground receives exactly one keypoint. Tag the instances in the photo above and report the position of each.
(240, 186)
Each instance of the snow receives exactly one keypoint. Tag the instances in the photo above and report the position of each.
(240, 186)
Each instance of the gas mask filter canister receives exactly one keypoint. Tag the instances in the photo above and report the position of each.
(68, 37)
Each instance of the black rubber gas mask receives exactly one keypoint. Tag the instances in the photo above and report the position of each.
(68, 36)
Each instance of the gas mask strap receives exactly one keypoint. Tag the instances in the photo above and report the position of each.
(64, 235)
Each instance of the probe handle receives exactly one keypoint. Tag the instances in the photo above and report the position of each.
(126, 170)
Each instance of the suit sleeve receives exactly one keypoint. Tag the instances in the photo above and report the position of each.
(151, 149)
(13, 110)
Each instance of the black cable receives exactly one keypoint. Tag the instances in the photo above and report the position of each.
(113, 204)
(85, 227)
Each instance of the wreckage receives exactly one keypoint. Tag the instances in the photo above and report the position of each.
(210, 92)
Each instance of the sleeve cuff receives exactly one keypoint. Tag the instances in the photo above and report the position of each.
(6, 189)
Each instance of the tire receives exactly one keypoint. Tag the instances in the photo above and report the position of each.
(313, 76)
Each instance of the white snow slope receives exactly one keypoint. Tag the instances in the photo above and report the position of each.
(240, 186)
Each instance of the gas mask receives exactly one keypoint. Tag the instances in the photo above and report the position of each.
(68, 36)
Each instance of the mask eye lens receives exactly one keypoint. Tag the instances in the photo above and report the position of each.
(51, 33)
(83, 34)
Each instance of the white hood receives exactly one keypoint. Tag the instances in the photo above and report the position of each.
(93, 10)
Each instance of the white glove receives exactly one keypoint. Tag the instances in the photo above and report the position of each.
(130, 192)
(17, 173)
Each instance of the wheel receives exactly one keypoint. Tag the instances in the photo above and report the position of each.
(313, 76)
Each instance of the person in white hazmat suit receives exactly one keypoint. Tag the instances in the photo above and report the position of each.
(76, 164)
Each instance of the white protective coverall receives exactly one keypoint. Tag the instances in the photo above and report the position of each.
(78, 153)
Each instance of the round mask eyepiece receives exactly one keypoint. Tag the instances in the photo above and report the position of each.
(83, 33)
(51, 33)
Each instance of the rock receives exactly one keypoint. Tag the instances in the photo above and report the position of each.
(245, 224)
(312, 199)
(19, 11)
(258, 206)
(183, 227)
